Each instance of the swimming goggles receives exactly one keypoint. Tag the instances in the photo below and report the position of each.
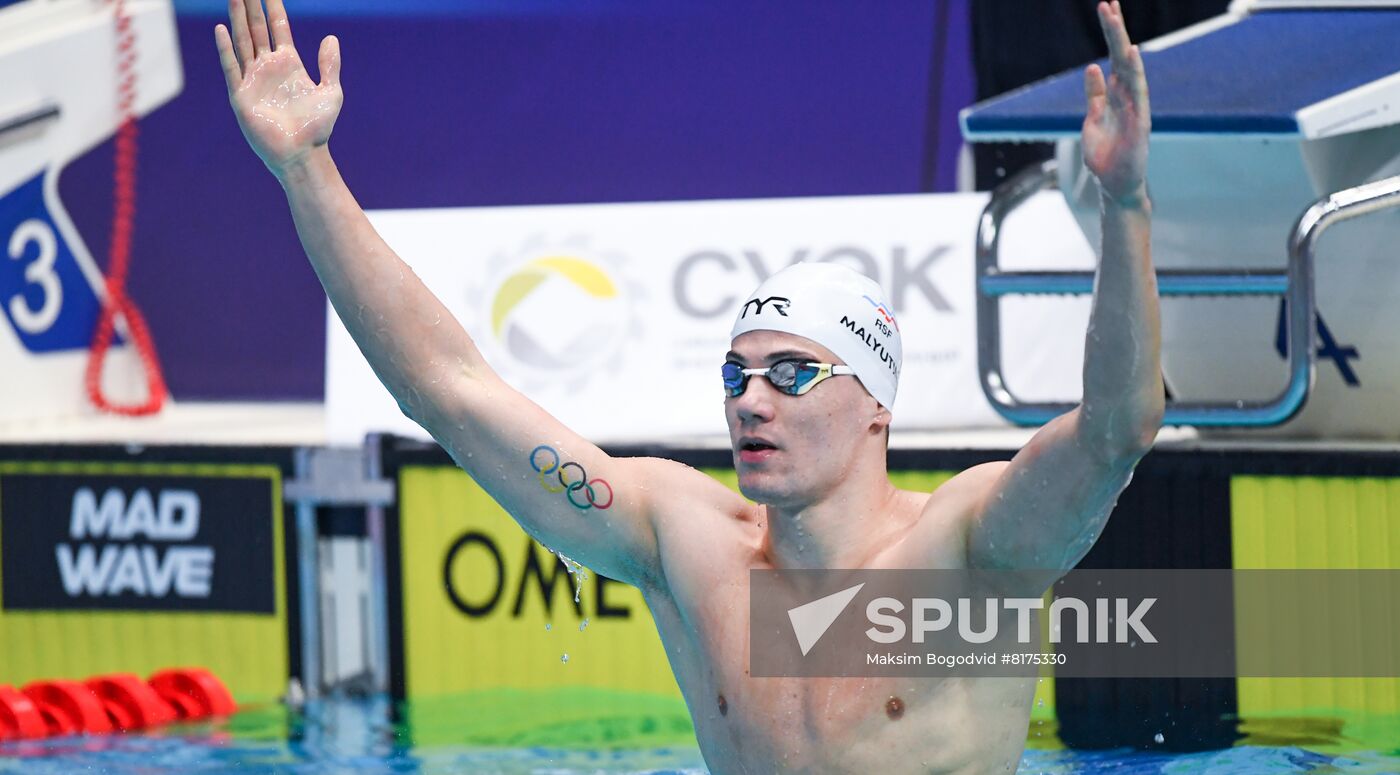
(791, 377)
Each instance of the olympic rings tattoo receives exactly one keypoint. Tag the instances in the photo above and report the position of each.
(571, 486)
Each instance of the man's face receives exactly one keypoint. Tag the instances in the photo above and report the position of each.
(789, 450)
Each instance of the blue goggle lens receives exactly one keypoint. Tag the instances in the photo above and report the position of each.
(787, 376)
(734, 379)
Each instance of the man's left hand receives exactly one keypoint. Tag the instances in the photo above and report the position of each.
(1118, 120)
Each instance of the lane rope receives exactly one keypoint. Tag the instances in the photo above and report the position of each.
(117, 302)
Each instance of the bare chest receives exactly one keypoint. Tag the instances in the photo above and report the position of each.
(848, 724)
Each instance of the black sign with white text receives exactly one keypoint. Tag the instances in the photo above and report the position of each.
(136, 542)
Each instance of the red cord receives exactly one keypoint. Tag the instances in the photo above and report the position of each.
(123, 217)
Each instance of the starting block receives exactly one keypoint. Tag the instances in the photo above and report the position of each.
(1272, 124)
(58, 100)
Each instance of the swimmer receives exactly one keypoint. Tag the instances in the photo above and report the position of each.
(798, 385)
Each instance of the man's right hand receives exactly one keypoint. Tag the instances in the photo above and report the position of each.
(524, 458)
(283, 113)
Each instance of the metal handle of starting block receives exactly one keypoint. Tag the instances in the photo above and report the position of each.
(1295, 285)
(26, 118)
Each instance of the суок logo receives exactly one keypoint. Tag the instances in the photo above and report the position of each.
(525, 298)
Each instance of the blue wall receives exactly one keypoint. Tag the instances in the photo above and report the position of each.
(531, 101)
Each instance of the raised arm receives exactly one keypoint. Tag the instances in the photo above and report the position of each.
(559, 487)
(1047, 506)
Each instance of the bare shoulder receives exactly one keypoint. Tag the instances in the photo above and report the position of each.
(702, 526)
(670, 483)
(970, 485)
(938, 538)
(689, 505)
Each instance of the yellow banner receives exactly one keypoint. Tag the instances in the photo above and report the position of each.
(134, 567)
(1314, 522)
(486, 607)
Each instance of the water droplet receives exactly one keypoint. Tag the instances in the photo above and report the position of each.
(548, 626)
(1159, 738)
(1040, 703)
(565, 660)
(583, 624)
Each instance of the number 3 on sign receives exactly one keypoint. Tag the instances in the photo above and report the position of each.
(40, 272)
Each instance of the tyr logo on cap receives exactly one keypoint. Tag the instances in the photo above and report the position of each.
(780, 305)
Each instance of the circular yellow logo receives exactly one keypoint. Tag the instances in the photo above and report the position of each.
(558, 313)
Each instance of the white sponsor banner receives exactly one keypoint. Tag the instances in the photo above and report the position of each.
(616, 318)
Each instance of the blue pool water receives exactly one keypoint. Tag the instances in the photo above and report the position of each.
(356, 736)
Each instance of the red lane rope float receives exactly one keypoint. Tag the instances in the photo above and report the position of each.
(19, 716)
(58, 723)
(131, 702)
(69, 707)
(123, 216)
(194, 692)
(111, 703)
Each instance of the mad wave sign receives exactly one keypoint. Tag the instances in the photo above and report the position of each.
(140, 568)
(148, 543)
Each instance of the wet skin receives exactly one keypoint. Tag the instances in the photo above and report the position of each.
(822, 513)
(812, 467)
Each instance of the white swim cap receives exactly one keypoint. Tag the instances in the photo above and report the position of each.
(838, 308)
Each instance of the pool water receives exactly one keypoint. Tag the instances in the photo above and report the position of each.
(357, 736)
